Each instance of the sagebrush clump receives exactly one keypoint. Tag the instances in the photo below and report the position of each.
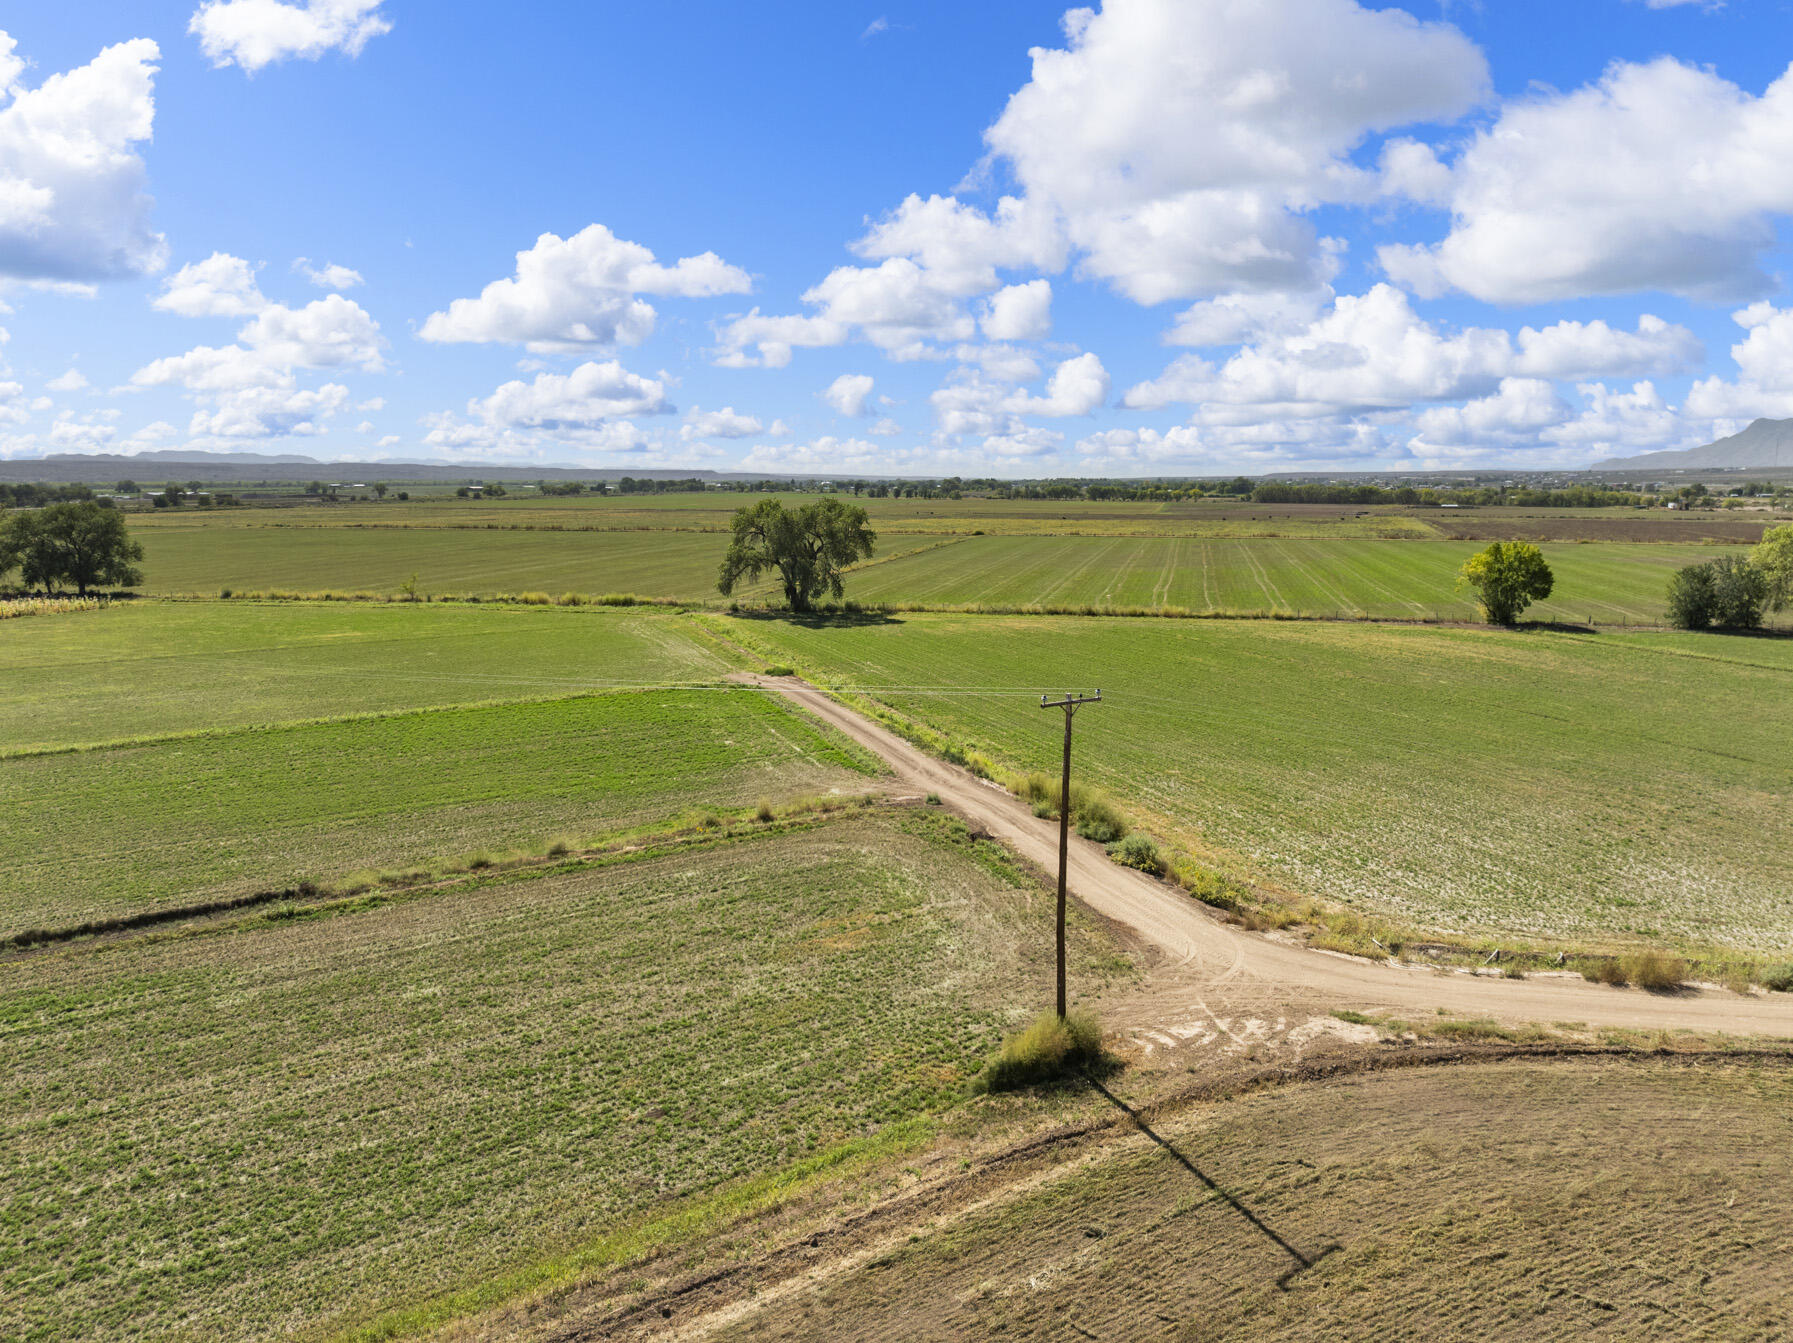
(1049, 1050)
(1092, 815)
(1655, 970)
(1137, 851)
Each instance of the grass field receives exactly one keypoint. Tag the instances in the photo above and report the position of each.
(154, 669)
(1514, 1201)
(1601, 788)
(290, 1127)
(206, 560)
(1609, 583)
(1320, 570)
(191, 820)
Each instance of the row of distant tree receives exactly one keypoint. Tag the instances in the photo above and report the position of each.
(36, 496)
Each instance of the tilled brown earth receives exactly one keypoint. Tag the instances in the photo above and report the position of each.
(1525, 1199)
(1687, 528)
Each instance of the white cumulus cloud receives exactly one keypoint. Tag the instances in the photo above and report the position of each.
(251, 389)
(970, 404)
(1078, 386)
(257, 33)
(1661, 176)
(1180, 142)
(587, 408)
(1764, 386)
(1372, 352)
(579, 292)
(584, 399)
(220, 286)
(73, 201)
(328, 276)
(849, 393)
(1019, 312)
(724, 423)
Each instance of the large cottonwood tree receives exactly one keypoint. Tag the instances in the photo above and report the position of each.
(79, 545)
(808, 546)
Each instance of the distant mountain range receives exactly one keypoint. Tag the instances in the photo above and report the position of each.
(250, 468)
(1766, 443)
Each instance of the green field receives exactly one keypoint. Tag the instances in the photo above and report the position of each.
(1320, 570)
(659, 563)
(155, 669)
(1601, 788)
(1609, 583)
(287, 1127)
(199, 819)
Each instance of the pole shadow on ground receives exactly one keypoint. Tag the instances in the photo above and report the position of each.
(1302, 1262)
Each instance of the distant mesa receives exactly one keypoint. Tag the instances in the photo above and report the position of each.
(183, 455)
(1764, 445)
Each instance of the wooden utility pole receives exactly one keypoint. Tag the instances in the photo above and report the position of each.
(1069, 704)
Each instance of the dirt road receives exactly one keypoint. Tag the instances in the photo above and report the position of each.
(1228, 983)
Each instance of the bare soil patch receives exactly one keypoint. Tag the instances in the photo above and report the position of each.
(1518, 1200)
(1693, 528)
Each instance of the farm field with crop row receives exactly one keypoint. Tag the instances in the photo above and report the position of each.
(289, 1126)
(1610, 583)
(177, 822)
(1602, 788)
(1519, 1200)
(206, 560)
(713, 512)
(1218, 517)
(160, 668)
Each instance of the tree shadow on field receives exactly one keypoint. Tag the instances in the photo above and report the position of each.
(1555, 627)
(1770, 633)
(822, 619)
(1302, 1263)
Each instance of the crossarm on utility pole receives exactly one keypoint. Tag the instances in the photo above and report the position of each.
(1070, 704)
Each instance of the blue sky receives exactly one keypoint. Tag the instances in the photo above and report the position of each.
(1151, 237)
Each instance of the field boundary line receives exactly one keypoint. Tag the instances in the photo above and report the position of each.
(368, 716)
(1083, 610)
(323, 899)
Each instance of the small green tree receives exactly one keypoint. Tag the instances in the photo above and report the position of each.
(1729, 592)
(809, 547)
(1773, 556)
(379, 491)
(83, 544)
(1508, 576)
(1742, 592)
(1690, 597)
